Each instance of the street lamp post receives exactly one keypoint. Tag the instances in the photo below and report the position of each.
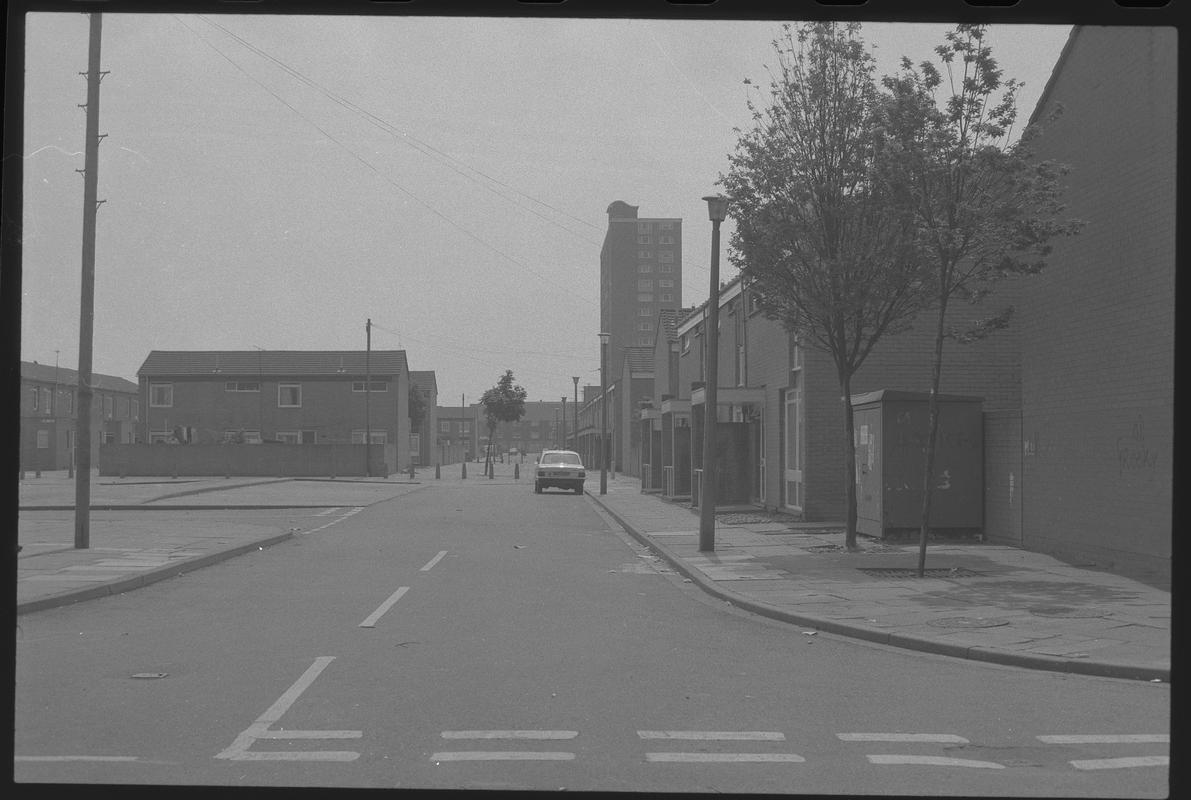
(563, 415)
(717, 209)
(604, 337)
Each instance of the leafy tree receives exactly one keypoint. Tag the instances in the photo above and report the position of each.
(417, 407)
(984, 208)
(817, 235)
(504, 402)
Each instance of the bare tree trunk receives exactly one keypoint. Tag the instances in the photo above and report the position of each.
(931, 436)
(845, 382)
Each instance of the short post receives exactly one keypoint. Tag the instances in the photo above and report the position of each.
(412, 474)
(516, 472)
(465, 469)
(438, 472)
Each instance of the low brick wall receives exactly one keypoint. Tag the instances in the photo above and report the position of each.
(280, 460)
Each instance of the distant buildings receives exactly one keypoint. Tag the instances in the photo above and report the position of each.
(49, 414)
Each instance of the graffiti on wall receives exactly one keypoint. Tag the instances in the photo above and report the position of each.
(1135, 454)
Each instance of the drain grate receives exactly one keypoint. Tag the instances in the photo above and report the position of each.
(912, 572)
(824, 548)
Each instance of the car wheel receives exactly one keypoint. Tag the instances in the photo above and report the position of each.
(579, 489)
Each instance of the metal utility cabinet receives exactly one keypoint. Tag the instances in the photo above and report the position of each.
(890, 436)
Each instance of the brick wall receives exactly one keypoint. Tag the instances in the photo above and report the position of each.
(1098, 324)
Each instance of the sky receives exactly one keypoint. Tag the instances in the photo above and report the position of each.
(275, 181)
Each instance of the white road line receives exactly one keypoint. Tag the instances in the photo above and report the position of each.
(934, 761)
(74, 758)
(1120, 763)
(430, 564)
(725, 758)
(327, 511)
(502, 755)
(947, 738)
(1105, 738)
(370, 622)
(336, 521)
(751, 736)
(238, 751)
(525, 734)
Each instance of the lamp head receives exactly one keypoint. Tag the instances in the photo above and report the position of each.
(604, 337)
(717, 207)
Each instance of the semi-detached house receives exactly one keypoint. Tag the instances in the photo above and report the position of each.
(287, 396)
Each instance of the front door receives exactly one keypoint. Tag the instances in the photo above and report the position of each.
(792, 491)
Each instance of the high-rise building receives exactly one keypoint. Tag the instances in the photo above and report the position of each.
(640, 274)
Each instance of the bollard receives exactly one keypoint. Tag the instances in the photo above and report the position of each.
(465, 470)
(516, 472)
(437, 471)
(412, 474)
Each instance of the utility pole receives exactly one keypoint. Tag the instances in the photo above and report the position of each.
(367, 399)
(82, 483)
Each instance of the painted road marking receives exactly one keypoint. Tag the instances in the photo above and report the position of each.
(725, 758)
(751, 736)
(1106, 738)
(430, 564)
(370, 622)
(352, 511)
(506, 755)
(327, 511)
(1120, 763)
(934, 761)
(74, 758)
(947, 738)
(238, 751)
(510, 734)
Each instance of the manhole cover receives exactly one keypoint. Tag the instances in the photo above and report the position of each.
(1067, 612)
(967, 622)
(824, 548)
(912, 572)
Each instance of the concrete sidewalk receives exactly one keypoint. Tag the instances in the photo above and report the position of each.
(979, 601)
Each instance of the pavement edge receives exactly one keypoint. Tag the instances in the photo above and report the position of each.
(970, 652)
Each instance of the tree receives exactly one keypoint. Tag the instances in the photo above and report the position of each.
(504, 402)
(984, 208)
(417, 407)
(817, 235)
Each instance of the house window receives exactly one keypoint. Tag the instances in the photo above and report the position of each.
(665, 283)
(377, 437)
(70, 403)
(309, 437)
(666, 255)
(740, 365)
(686, 343)
(665, 240)
(289, 437)
(644, 227)
(107, 406)
(645, 285)
(136, 407)
(644, 254)
(47, 398)
(667, 298)
(444, 427)
(43, 439)
(165, 436)
(289, 395)
(467, 427)
(373, 386)
(161, 395)
(667, 225)
(643, 240)
(645, 267)
(645, 311)
(645, 341)
(644, 326)
(241, 386)
(236, 436)
(665, 268)
(645, 298)
(122, 407)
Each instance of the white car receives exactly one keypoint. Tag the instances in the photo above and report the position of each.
(562, 469)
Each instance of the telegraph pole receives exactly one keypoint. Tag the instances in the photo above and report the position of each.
(367, 399)
(82, 484)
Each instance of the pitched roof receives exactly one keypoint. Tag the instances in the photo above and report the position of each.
(639, 359)
(63, 376)
(252, 363)
(425, 380)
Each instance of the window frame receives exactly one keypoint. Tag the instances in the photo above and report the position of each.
(168, 388)
(281, 387)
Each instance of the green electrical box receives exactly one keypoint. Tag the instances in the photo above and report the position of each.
(890, 437)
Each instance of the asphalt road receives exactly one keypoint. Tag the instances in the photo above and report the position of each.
(481, 636)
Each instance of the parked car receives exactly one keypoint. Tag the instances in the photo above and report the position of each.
(562, 469)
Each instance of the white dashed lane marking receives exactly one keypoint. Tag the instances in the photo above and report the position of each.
(936, 761)
(1122, 763)
(506, 755)
(723, 736)
(946, 738)
(370, 622)
(430, 564)
(725, 758)
(510, 734)
(1105, 738)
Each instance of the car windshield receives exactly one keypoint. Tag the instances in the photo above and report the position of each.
(561, 458)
